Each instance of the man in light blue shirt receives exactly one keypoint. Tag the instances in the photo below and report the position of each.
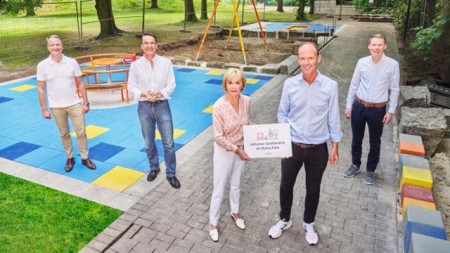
(309, 103)
(374, 85)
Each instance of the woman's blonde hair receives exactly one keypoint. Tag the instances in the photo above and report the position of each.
(230, 73)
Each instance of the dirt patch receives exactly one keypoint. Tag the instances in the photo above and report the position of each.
(7, 75)
(215, 49)
(440, 169)
(219, 49)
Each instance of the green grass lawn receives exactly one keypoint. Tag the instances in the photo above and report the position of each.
(23, 38)
(35, 218)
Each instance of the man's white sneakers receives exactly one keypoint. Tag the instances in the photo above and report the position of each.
(277, 229)
(310, 233)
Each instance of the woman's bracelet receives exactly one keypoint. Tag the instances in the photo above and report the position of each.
(237, 151)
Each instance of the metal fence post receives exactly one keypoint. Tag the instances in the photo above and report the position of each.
(143, 16)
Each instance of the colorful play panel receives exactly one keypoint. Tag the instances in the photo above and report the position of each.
(426, 244)
(411, 144)
(417, 177)
(422, 221)
(115, 141)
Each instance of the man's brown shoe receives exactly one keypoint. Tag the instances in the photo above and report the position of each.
(88, 163)
(69, 164)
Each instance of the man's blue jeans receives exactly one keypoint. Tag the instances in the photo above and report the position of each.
(374, 119)
(150, 116)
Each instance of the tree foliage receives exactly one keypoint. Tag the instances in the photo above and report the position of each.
(426, 38)
(300, 15)
(430, 30)
(14, 7)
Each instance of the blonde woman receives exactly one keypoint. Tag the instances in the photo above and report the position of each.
(231, 113)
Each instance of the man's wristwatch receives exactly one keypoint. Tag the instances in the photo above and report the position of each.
(87, 104)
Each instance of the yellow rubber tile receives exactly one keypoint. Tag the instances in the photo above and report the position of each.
(251, 80)
(209, 109)
(93, 131)
(24, 87)
(215, 72)
(176, 133)
(119, 178)
(417, 177)
(415, 202)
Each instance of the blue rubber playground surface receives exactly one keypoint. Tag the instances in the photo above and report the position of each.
(115, 139)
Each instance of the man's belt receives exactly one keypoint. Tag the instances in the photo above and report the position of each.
(370, 105)
(304, 145)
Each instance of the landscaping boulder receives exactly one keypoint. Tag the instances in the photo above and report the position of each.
(444, 147)
(429, 123)
(414, 96)
(180, 60)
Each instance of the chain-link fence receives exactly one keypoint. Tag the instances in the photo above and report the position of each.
(22, 39)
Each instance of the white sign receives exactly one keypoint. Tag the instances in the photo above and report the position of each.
(268, 140)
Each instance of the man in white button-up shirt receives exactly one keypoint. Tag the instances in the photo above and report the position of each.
(152, 82)
(372, 99)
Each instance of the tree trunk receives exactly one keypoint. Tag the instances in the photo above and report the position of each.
(445, 12)
(301, 10)
(105, 16)
(431, 13)
(311, 6)
(190, 15)
(154, 4)
(279, 5)
(204, 14)
(376, 3)
(30, 11)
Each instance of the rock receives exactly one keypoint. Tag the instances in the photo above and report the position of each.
(444, 147)
(250, 68)
(233, 65)
(289, 65)
(196, 63)
(215, 65)
(418, 96)
(272, 69)
(180, 60)
(429, 123)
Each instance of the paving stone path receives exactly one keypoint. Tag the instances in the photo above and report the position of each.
(352, 217)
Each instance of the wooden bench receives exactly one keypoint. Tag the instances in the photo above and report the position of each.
(107, 80)
(122, 59)
(106, 72)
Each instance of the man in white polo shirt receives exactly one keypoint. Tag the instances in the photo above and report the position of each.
(59, 77)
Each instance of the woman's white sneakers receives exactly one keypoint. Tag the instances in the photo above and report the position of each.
(214, 233)
(239, 222)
